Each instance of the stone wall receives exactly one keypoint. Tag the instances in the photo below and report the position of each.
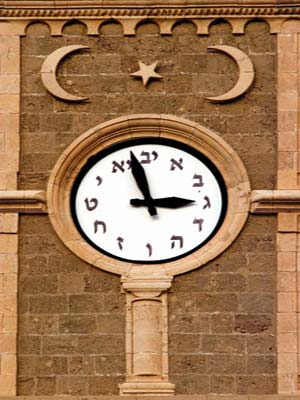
(222, 316)
(222, 323)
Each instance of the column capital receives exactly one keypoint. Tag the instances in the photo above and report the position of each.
(146, 288)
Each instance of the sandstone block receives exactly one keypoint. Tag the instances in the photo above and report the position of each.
(45, 386)
(71, 385)
(77, 324)
(256, 384)
(253, 323)
(231, 344)
(82, 303)
(48, 304)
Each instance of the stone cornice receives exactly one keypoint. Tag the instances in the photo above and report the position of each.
(143, 8)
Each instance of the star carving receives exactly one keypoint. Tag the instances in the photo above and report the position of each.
(146, 72)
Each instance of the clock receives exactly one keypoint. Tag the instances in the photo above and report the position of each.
(148, 200)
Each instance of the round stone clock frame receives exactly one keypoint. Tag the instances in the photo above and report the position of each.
(75, 157)
(146, 284)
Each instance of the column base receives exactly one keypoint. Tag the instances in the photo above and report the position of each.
(147, 389)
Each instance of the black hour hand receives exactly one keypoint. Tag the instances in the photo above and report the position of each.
(142, 183)
(165, 202)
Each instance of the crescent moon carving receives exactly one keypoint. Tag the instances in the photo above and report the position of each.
(49, 69)
(246, 73)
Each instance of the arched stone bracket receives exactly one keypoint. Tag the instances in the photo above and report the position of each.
(166, 24)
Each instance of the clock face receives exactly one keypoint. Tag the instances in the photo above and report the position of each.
(148, 200)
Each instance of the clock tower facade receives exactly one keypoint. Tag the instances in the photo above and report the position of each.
(149, 199)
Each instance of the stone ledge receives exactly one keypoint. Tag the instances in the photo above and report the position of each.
(56, 4)
(275, 201)
(23, 201)
(178, 397)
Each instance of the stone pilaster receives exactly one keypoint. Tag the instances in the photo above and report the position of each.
(9, 166)
(288, 238)
(146, 337)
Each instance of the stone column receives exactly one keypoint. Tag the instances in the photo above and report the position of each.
(288, 237)
(9, 166)
(146, 337)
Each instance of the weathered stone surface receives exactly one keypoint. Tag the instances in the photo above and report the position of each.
(257, 323)
(37, 324)
(45, 386)
(74, 385)
(81, 365)
(110, 323)
(29, 345)
(222, 384)
(100, 385)
(192, 363)
(38, 284)
(190, 323)
(223, 344)
(110, 365)
(256, 384)
(90, 303)
(222, 323)
(41, 366)
(77, 323)
(224, 365)
(102, 344)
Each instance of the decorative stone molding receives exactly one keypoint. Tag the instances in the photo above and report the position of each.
(129, 17)
(129, 23)
(246, 73)
(134, 8)
(23, 201)
(275, 201)
(49, 73)
(119, 129)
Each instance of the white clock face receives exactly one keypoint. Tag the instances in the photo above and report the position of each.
(148, 200)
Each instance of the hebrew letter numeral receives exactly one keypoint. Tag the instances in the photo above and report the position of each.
(155, 155)
(91, 204)
(207, 204)
(97, 223)
(177, 164)
(145, 154)
(120, 242)
(199, 222)
(200, 182)
(149, 247)
(178, 239)
(118, 166)
(99, 180)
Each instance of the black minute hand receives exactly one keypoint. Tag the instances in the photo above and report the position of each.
(142, 183)
(166, 202)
